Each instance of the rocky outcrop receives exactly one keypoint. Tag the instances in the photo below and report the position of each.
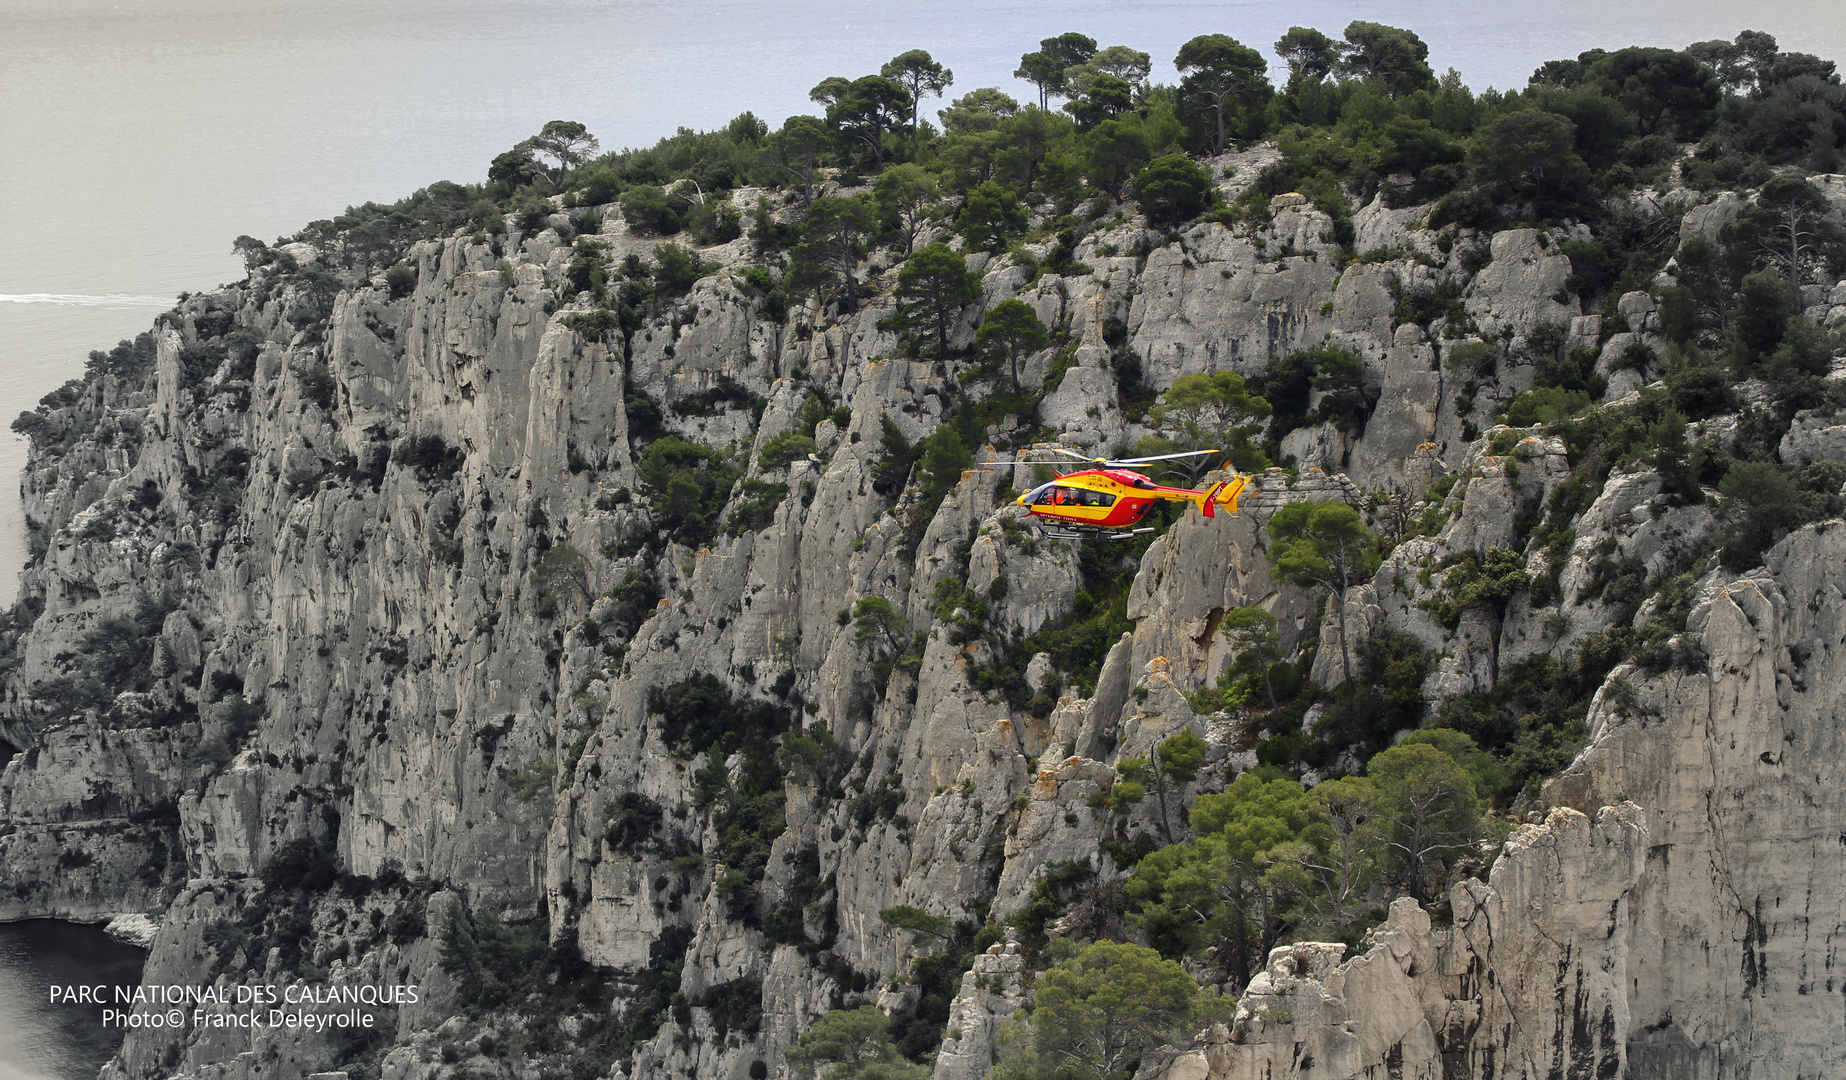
(1814, 436)
(1683, 931)
(376, 579)
(1728, 950)
(991, 992)
(1498, 993)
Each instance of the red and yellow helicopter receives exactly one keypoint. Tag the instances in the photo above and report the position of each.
(1109, 499)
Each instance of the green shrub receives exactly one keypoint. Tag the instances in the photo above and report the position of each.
(429, 456)
(787, 447)
(1172, 189)
(1763, 501)
(1141, 1000)
(1385, 698)
(588, 269)
(73, 389)
(754, 508)
(1471, 360)
(560, 573)
(1480, 581)
(1288, 384)
(529, 782)
(990, 217)
(633, 822)
(715, 223)
(893, 469)
(317, 385)
(745, 802)
(635, 599)
(1545, 405)
(698, 714)
(737, 1004)
(689, 483)
(587, 223)
(401, 280)
(727, 393)
(849, 1044)
(299, 864)
(593, 325)
(647, 209)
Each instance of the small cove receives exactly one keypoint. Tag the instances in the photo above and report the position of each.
(42, 1041)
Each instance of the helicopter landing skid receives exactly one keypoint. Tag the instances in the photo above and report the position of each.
(1086, 532)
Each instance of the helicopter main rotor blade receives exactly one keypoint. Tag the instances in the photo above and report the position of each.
(1071, 454)
(1163, 457)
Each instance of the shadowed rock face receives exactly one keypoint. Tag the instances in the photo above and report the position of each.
(294, 615)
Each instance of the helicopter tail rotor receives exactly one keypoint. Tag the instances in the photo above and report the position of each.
(1225, 493)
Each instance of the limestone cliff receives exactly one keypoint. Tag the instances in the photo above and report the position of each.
(1692, 938)
(369, 584)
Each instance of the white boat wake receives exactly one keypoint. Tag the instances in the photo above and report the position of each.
(117, 300)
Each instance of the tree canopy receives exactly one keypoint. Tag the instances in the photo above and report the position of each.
(851, 1044)
(1213, 411)
(918, 74)
(1324, 545)
(1225, 74)
(1269, 859)
(1396, 58)
(831, 245)
(933, 289)
(1172, 189)
(567, 144)
(1097, 1014)
(1010, 332)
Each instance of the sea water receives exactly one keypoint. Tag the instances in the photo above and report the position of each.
(43, 1041)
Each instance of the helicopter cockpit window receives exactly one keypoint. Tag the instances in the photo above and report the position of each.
(1062, 495)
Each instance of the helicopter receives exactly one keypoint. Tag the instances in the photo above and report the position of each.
(1108, 499)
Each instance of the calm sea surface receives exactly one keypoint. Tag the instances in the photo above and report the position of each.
(42, 1041)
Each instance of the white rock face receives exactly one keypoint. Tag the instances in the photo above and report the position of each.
(1214, 301)
(1407, 417)
(1707, 219)
(991, 992)
(1814, 437)
(1737, 760)
(133, 928)
(328, 553)
(1518, 289)
(1683, 931)
(1493, 995)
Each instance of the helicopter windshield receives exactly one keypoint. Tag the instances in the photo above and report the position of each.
(1060, 495)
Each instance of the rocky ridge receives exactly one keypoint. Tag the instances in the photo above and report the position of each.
(328, 533)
